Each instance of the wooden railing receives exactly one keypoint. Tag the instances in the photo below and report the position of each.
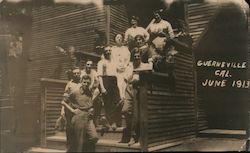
(166, 114)
(6, 115)
(51, 96)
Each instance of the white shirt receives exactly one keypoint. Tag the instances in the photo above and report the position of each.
(121, 57)
(132, 32)
(92, 75)
(156, 28)
(106, 68)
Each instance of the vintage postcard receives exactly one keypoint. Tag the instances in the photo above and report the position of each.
(124, 75)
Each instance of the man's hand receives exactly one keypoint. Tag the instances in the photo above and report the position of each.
(90, 87)
(91, 113)
(77, 111)
(62, 112)
(103, 91)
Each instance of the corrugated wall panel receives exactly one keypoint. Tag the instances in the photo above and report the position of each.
(249, 64)
(199, 16)
(1, 81)
(171, 113)
(53, 97)
(118, 21)
(61, 24)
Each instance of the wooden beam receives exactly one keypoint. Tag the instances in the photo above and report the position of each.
(143, 112)
(47, 80)
(107, 23)
(43, 117)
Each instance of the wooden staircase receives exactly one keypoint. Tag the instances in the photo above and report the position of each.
(222, 133)
(109, 142)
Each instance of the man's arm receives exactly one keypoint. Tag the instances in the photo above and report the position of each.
(146, 35)
(126, 36)
(169, 30)
(103, 90)
(100, 73)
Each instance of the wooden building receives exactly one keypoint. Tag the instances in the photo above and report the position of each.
(169, 116)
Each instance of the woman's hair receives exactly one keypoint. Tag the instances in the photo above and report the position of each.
(135, 18)
(140, 36)
(160, 12)
(117, 35)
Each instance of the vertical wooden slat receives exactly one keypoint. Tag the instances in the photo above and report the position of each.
(143, 111)
(199, 16)
(107, 10)
(43, 115)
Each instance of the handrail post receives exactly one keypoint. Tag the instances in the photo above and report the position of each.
(143, 111)
(43, 115)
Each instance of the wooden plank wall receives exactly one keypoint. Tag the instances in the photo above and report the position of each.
(118, 21)
(63, 24)
(53, 25)
(249, 67)
(1, 80)
(171, 112)
(51, 104)
(199, 15)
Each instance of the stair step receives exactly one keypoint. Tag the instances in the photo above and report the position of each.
(217, 133)
(58, 141)
(209, 145)
(44, 150)
(104, 145)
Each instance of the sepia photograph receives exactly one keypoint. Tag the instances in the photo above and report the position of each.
(124, 76)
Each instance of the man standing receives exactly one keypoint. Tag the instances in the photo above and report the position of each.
(79, 102)
(70, 87)
(130, 107)
(92, 74)
(106, 70)
(93, 87)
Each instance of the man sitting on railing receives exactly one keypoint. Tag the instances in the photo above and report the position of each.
(78, 101)
(130, 107)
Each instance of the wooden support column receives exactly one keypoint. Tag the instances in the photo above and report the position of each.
(107, 12)
(43, 115)
(143, 112)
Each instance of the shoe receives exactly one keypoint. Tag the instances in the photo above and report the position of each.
(113, 126)
(131, 142)
(104, 130)
(124, 141)
(134, 139)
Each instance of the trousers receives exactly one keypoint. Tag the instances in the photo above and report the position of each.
(83, 133)
(131, 112)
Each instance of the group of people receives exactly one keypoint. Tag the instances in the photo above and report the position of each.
(115, 85)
